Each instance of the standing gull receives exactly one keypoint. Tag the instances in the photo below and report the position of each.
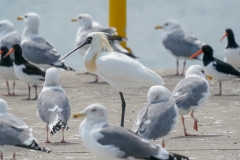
(25, 71)
(6, 69)
(108, 141)
(119, 70)
(35, 48)
(8, 35)
(219, 70)
(232, 50)
(179, 42)
(53, 105)
(158, 117)
(191, 93)
(87, 25)
(15, 135)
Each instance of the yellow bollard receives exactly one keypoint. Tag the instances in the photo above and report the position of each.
(117, 18)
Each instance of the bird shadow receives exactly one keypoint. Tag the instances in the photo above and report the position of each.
(60, 143)
(172, 76)
(198, 136)
(226, 95)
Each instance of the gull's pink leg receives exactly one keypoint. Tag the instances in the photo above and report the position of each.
(195, 122)
(47, 141)
(185, 132)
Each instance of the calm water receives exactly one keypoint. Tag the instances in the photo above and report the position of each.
(206, 19)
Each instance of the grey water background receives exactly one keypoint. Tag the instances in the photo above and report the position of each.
(206, 19)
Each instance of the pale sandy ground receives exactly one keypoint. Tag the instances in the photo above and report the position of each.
(218, 135)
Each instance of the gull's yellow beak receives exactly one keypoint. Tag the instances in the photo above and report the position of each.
(209, 77)
(19, 18)
(80, 114)
(158, 27)
(74, 19)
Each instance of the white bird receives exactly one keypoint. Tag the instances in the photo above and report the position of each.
(35, 48)
(7, 69)
(109, 142)
(179, 42)
(25, 71)
(8, 35)
(232, 50)
(191, 93)
(87, 25)
(15, 135)
(159, 117)
(119, 70)
(53, 105)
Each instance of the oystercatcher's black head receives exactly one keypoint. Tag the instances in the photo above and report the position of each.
(229, 32)
(207, 50)
(16, 48)
(3, 51)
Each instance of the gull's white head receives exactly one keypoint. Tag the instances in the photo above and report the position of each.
(85, 20)
(197, 70)
(6, 26)
(3, 106)
(94, 112)
(158, 93)
(32, 21)
(51, 77)
(99, 38)
(170, 25)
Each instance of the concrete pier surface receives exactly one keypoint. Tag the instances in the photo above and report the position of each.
(217, 136)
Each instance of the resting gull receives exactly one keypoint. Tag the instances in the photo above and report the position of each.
(179, 42)
(15, 135)
(108, 141)
(53, 105)
(158, 117)
(35, 48)
(8, 35)
(191, 93)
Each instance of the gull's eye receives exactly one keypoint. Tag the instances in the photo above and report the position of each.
(94, 109)
(25, 16)
(166, 24)
(80, 17)
(202, 71)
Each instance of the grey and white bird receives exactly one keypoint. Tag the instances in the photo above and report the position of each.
(8, 35)
(108, 141)
(159, 117)
(191, 93)
(35, 48)
(15, 135)
(53, 105)
(119, 70)
(179, 42)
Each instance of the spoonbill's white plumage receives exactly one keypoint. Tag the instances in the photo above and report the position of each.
(119, 70)
(15, 134)
(109, 142)
(159, 116)
(53, 105)
(191, 93)
(7, 69)
(179, 42)
(35, 48)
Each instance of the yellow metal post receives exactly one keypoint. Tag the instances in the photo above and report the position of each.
(117, 17)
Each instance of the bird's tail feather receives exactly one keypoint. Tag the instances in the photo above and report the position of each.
(59, 126)
(35, 146)
(172, 156)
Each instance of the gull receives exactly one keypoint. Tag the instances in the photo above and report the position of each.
(232, 50)
(219, 70)
(87, 25)
(191, 93)
(8, 35)
(15, 135)
(158, 117)
(35, 48)
(179, 42)
(119, 70)
(108, 141)
(25, 71)
(53, 105)
(6, 69)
